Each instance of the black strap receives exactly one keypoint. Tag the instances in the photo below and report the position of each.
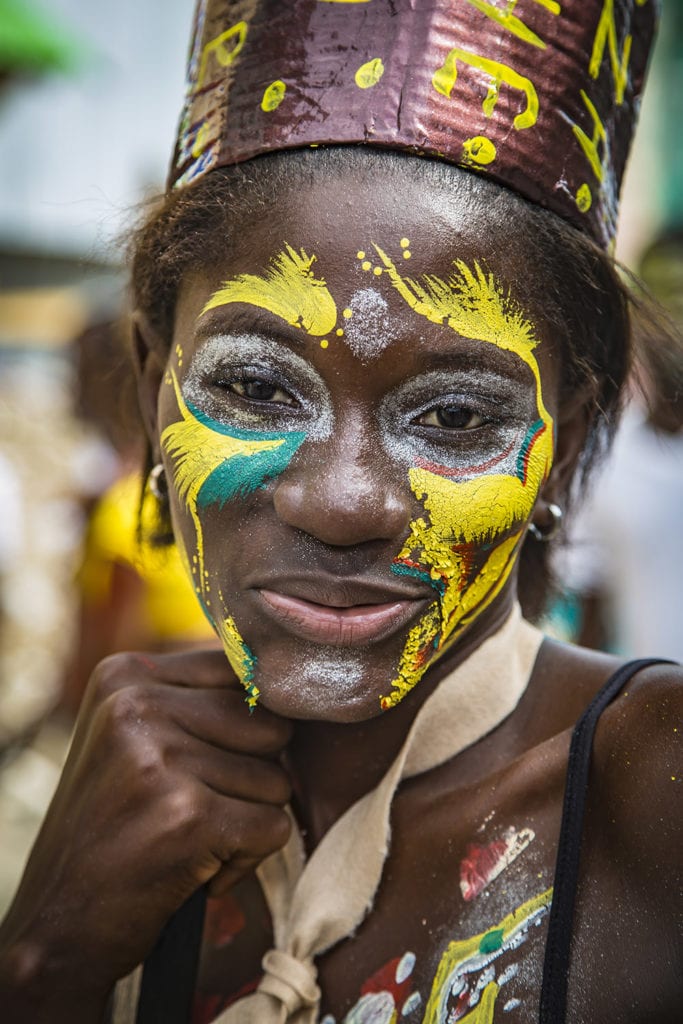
(169, 975)
(556, 966)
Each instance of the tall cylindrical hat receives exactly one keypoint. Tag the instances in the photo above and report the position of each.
(540, 95)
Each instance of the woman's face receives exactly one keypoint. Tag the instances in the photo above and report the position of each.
(356, 421)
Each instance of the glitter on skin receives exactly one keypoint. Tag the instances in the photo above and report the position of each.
(337, 677)
(225, 355)
(369, 331)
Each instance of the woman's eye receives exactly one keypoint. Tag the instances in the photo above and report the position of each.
(258, 390)
(452, 417)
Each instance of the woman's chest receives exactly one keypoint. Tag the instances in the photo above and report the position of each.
(457, 926)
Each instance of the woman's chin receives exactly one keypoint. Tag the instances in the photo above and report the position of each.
(324, 684)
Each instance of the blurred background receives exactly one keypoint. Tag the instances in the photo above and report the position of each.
(89, 98)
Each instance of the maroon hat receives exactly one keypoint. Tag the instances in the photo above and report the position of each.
(540, 95)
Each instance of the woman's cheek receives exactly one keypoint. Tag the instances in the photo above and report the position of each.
(211, 464)
(465, 547)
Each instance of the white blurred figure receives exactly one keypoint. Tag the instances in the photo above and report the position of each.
(624, 562)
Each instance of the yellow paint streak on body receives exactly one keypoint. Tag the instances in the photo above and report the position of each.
(458, 953)
(483, 1011)
(239, 657)
(445, 620)
(473, 306)
(511, 22)
(289, 290)
(445, 77)
(197, 451)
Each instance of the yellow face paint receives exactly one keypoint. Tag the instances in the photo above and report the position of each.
(240, 657)
(289, 290)
(213, 463)
(467, 543)
(197, 452)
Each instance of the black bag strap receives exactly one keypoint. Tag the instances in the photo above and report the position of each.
(553, 1007)
(169, 975)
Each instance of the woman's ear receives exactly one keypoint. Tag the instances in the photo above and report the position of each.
(150, 355)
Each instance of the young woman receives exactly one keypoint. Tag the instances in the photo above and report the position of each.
(369, 379)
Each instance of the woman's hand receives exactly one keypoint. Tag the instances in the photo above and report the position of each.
(169, 783)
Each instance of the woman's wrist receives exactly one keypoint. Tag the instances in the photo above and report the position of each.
(47, 986)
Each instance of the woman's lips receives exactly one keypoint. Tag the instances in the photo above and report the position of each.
(344, 627)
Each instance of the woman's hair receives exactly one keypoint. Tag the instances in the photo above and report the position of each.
(585, 301)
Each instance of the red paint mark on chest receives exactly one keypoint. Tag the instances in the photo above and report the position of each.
(481, 864)
(384, 980)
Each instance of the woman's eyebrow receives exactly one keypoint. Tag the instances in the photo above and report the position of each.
(288, 289)
(475, 359)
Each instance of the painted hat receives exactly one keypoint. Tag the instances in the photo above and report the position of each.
(539, 95)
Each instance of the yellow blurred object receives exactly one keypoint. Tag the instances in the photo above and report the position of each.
(169, 605)
(41, 317)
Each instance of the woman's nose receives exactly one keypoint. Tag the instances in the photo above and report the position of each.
(343, 493)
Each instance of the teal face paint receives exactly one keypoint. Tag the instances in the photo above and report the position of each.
(241, 474)
(214, 463)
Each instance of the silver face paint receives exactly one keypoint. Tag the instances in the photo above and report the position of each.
(506, 409)
(225, 357)
(369, 329)
(328, 676)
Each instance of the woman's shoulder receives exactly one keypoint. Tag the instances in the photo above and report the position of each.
(637, 761)
(570, 677)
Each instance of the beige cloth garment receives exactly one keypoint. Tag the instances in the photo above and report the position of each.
(310, 912)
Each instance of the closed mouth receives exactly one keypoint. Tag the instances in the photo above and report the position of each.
(341, 625)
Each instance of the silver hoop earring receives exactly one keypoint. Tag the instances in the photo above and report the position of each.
(548, 533)
(157, 482)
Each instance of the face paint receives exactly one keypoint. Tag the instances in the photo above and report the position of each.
(465, 543)
(466, 546)
(214, 463)
(368, 328)
(231, 356)
(289, 290)
(465, 977)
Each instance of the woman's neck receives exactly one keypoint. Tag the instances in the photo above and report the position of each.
(334, 764)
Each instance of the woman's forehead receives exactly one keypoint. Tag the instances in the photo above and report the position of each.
(342, 209)
(367, 261)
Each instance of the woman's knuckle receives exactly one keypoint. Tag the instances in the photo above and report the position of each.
(129, 706)
(113, 673)
(184, 811)
(280, 827)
